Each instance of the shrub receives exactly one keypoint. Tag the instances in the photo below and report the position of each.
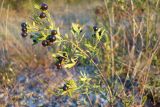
(117, 79)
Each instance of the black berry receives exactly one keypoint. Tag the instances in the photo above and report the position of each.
(24, 34)
(95, 28)
(34, 41)
(58, 65)
(51, 38)
(53, 32)
(128, 84)
(23, 25)
(60, 58)
(24, 29)
(44, 6)
(65, 87)
(42, 15)
(45, 43)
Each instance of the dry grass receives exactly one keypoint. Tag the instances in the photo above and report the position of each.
(16, 52)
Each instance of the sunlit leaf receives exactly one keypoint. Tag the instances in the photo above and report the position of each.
(70, 65)
(36, 6)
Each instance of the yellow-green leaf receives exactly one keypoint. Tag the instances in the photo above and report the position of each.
(36, 6)
(70, 65)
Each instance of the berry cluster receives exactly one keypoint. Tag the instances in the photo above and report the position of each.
(50, 38)
(24, 30)
(60, 60)
(44, 7)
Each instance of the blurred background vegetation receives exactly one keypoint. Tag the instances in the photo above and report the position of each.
(26, 4)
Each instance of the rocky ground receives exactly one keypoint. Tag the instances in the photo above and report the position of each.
(33, 88)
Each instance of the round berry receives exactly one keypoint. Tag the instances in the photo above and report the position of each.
(51, 38)
(23, 25)
(24, 34)
(24, 29)
(44, 6)
(128, 84)
(60, 59)
(65, 87)
(58, 65)
(45, 43)
(53, 32)
(42, 15)
(34, 41)
(95, 28)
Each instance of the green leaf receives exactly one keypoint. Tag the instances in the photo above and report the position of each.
(64, 92)
(66, 36)
(144, 100)
(33, 23)
(36, 6)
(54, 55)
(75, 28)
(70, 65)
(90, 47)
(81, 55)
